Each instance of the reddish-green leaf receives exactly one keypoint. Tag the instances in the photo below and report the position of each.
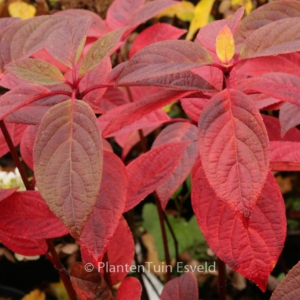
(97, 26)
(178, 132)
(23, 39)
(26, 215)
(151, 169)
(66, 43)
(153, 34)
(252, 248)
(164, 58)
(233, 145)
(36, 71)
(68, 162)
(184, 287)
(130, 289)
(101, 49)
(89, 285)
(109, 207)
(136, 110)
(288, 288)
(120, 12)
(266, 14)
(269, 40)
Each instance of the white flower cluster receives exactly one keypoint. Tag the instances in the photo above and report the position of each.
(10, 180)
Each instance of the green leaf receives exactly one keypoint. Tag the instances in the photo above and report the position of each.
(101, 49)
(35, 71)
(186, 232)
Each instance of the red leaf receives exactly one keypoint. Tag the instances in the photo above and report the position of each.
(23, 246)
(5, 193)
(26, 215)
(266, 41)
(127, 141)
(148, 11)
(184, 287)
(193, 107)
(273, 129)
(251, 250)
(27, 142)
(164, 58)
(289, 117)
(89, 285)
(233, 145)
(285, 63)
(20, 96)
(113, 97)
(109, 207)
(213, 76)
(186, 80)
(107, 146)
(66, 43)
(151, 169)
(94, 77)
(16, 132)
(119, 262)
(136, 110)
(68, 162)
(285, 151)
(266, 14)
(97, 26)
(282, 86)
(154, 118)
(155, 33)
(288, 288)
(34, 112)
(178, 132)
(130, 289)
(120, 11)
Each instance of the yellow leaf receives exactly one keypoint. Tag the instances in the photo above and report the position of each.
(35, 295)
(202, 12)
(183, 11)
(22, 10)
(225, 45)
(246, 3)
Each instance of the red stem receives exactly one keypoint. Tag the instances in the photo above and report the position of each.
(95, 87)
(221, 280)
(55, 259)
(164, 236)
